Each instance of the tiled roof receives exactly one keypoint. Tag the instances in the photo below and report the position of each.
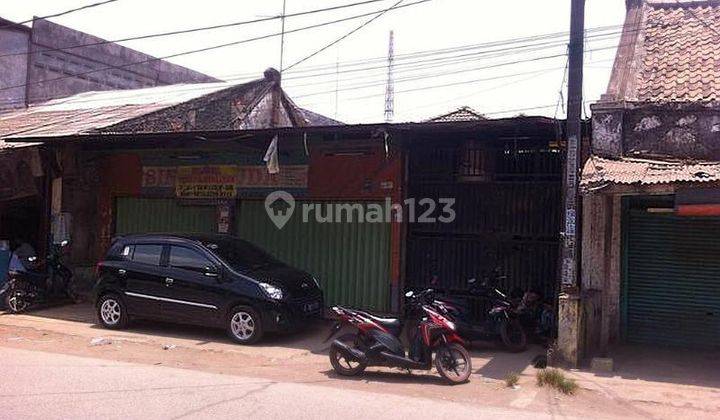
(674, 55)
(681, 50)
(464, 113)
(600, 171)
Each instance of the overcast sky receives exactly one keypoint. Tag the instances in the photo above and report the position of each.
(501, 90)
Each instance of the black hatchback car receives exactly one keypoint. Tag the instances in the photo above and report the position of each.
(210, 280)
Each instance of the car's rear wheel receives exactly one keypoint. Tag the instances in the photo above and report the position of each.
(112, 312)
(244, 325)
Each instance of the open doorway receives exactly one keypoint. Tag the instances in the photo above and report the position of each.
(22, 220)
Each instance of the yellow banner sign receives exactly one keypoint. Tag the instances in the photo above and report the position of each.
(216, 181)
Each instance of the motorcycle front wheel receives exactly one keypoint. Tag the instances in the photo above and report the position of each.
(15, 302)
(453, 363)
(343, 365)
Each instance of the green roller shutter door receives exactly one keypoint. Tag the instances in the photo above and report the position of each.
(351, 260)
(673, 280)
(148, 215)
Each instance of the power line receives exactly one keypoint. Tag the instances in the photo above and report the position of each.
(214, 47)
(67, 12)
(366, 84)
(197, 29)
(409, 67)
(465, 82)
(467, 47)
(364, 24)
(534, 75)
(501, 52)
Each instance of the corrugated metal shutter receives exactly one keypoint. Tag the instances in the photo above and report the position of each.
(351, 260)
(673, 280)
(148, 215)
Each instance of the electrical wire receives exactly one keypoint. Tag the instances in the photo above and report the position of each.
(202, 86)
(193, 30)
(361, 26)
(210, 48)
(67, 12)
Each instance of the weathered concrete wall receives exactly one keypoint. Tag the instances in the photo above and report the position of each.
(13, 69)
(601, 272)
(686, 131)
(81, 69)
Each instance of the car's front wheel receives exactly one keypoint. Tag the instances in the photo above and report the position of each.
(244, 325)
(112, 312)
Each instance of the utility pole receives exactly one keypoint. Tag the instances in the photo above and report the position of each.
(282, 36)
(390, 88)
(569, 302)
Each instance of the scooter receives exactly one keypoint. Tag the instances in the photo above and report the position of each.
(376, 342)
(24, 289)
(499, 322)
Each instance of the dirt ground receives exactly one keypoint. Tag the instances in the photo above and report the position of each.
(647, 383)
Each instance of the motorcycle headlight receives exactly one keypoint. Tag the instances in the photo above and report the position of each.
(273, 292)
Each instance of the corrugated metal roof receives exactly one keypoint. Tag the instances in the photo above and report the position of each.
(599, 171)
(10, 146)
(91, 111)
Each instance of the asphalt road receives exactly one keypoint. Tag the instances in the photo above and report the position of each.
(37, 385)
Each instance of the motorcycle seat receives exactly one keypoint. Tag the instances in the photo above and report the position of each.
(390, 323)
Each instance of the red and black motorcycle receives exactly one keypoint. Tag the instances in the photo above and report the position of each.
(377, 343)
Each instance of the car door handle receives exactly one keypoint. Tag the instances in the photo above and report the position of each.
(122, 272)
(169, 281)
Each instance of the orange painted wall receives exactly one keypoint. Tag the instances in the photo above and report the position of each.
(121, 175)
(370, 176)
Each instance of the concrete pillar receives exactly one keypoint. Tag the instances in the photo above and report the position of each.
(569, 329)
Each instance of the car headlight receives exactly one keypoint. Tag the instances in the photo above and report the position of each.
(273, 292)
(317, 283)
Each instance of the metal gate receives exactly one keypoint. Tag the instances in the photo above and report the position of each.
(148, 215)
(351, 260)
(672, 285)
(508, 204)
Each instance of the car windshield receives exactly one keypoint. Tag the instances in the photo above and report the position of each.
(241, 255)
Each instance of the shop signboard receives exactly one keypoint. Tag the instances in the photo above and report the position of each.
(220, 181)
(217, 181)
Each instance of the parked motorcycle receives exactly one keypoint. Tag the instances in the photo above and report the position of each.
(499, 322)
(377, 343)
(25, 289)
